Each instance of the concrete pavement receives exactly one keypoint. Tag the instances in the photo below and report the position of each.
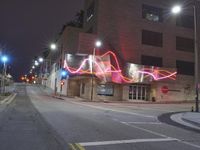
(188, 119)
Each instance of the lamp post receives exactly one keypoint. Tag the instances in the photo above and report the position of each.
(53, 47)
(97, 45)
(4, 60)
(177, 9)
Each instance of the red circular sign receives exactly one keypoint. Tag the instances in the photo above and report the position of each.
(165, 89)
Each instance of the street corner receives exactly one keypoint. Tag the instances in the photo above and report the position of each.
(75, 146)
(186, 120)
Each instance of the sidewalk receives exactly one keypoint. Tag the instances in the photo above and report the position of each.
(8, 97)
(188, 119)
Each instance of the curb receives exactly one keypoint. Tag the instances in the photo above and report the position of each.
(192, 122)
(166, 118)
(8, 99)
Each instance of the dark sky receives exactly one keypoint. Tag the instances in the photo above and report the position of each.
(28, 26)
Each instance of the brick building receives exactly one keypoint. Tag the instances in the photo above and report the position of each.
(140, 32)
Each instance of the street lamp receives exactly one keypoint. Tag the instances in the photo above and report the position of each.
(98, 44)
(53, 46)
(36, 63)
(40, 59)
(175, 10)
(4, 59)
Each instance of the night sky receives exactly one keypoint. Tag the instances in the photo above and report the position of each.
(28, 26)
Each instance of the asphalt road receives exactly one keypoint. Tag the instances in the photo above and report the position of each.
(22, 127)
(105, 126)
(90, 126)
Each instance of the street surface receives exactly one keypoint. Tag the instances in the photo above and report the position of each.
(70, 123)
(22, 128)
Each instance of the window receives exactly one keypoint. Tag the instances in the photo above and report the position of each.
(90, 12)
(83, 88)
(152, 13)
(185, 68)
(184, 44)
(151, 61)
(152, 38)
(185, 21)
(105, 89)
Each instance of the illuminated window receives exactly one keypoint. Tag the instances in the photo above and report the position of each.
(152, 38)
(105, 89)
(184, 44)
(152, 13)
(185, 21)
(185, 68)
(151, 61)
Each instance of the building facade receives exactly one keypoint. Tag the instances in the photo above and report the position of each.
(140, 33)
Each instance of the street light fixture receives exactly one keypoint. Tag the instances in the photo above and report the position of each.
(4, 59)
(175, 10)
(36, 63)
(98, 44)
(53, 46)
(40, 59)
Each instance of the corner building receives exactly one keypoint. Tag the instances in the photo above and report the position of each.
(141, 32)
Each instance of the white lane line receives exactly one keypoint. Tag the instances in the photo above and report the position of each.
(190, 144)
(142, 108)
(99, 143)
(154, 123)
(146, 130)
(162, 135)
(119, 111)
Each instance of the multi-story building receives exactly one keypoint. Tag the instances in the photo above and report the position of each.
(142, 34)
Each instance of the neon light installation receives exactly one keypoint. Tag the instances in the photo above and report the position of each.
(116, 72)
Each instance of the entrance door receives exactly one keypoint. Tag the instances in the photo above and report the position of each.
(138, 92)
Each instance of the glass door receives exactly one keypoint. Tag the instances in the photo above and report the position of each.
(138, 92)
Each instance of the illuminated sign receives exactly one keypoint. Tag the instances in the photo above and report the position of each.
(102, 67)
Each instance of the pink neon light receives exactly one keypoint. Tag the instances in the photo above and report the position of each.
(112, 69)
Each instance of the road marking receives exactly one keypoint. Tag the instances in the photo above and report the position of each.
(76, 146)
(146, 130)
(154, 109)
(100, 143)
(119, 111)
(154, 123)
(71, 147)
(8, 99)
(190, 144)
(162, 135)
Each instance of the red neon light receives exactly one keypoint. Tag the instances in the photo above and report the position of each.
(156, 75)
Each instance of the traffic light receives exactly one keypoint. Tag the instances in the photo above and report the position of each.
(62, 82)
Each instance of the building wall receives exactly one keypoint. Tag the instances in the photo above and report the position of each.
(73, 89)
(119, 24)
(117, 94)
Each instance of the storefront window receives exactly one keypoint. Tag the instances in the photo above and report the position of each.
(105, 89)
